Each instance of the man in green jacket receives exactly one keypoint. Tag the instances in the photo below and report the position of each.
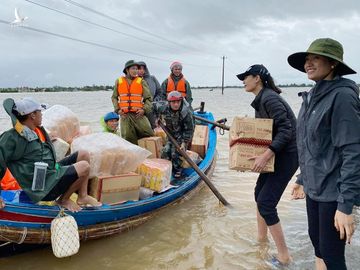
(132, 100)
(176, 82)
(27, 143)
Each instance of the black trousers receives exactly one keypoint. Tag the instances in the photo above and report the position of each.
(270, 186)
(323, 234)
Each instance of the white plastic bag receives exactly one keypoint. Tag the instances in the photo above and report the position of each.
(110, 154)
(65, 239)
(61, 122)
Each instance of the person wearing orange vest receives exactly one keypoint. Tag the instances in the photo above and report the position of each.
(28, 143)
(176, 81)
(132, 100)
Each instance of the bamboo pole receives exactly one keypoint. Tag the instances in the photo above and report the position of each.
(195, 167)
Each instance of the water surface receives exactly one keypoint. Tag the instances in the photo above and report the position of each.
(196, 234)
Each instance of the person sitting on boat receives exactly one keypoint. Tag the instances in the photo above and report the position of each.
(26, 144)
(179, 121)
(110, 122)
(132, 99)
(176, 81)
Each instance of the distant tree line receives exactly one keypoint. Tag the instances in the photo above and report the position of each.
(57, 89)
(110, 88)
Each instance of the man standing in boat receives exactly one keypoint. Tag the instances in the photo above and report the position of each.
(132, 100)
(154, 87)
(176, 81)
(26, 150)
(179, 122)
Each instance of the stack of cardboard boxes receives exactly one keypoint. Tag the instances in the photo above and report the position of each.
(249, 137)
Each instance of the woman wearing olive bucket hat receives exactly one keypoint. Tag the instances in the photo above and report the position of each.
(328, 139)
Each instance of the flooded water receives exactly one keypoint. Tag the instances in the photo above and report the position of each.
(196, 234)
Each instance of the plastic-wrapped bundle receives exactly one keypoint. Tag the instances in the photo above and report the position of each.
(156, 173)
(61, 122)
(110, 154)
(194, 157)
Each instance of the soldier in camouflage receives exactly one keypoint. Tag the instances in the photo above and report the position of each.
(180, 123)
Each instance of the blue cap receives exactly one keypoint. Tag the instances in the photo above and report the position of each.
(110, 116)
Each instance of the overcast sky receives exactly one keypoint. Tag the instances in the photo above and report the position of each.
(197, 33)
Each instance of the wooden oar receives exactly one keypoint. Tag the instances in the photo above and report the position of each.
(195, 167)
(212, 122)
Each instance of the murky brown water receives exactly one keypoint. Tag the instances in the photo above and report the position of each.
(196, 234)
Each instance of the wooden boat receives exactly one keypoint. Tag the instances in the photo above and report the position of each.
(26, 223)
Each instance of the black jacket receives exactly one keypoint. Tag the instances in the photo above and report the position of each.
(269, 104)
(328, 135)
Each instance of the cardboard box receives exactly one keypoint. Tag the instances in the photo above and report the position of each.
(249, 137)
(156, 173)
(153, 144)
(115, 189)
(200, 140)
(61, 147)
(159, 132)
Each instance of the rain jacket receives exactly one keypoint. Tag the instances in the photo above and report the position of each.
(107, 129)
(153, 83)
(269, 104)
(19, 153)
(328, 133)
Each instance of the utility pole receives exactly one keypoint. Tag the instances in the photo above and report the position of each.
(222, 79)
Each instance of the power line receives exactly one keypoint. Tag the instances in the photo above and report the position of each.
(98, 25)
(97, 44)
(124, 23)
(84, 41)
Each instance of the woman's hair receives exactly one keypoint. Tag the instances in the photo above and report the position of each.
(20, 117)
(269, 82)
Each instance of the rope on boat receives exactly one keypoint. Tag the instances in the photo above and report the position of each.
(4, 244)
(23, 236)
(22, 239)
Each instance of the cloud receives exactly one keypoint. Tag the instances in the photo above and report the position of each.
(197, 33)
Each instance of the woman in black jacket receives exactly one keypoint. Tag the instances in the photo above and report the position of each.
(270, 186)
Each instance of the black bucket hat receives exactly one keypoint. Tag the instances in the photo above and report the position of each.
(257, 69)
(326, 47)
(130, 63)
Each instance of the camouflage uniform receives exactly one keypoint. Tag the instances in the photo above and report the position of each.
(181, 126)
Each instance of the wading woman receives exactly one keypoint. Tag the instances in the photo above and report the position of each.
(328, 135)
(270, 186)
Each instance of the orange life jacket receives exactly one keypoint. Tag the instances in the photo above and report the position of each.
(130, 97)
(40, 134)
(180, 86)
(8, 182)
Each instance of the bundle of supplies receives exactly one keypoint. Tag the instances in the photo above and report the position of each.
(61, 148)
(156, 173)
(159, 132)
(61, 122)
(200, 140)
(110, 154)
(115, 189)
(153, 144)
(194, 157)
(84, 130)
(249, 137)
